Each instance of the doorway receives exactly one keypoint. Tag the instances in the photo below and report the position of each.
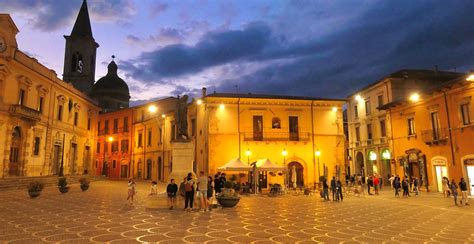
(15, 152)
(360, 164)
(295, 170)
(262, 179)
(56, 159)
(148, 169)
(470, 176)
(440, 171)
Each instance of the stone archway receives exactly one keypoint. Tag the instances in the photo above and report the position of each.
(296, 174)
(360, 164)
(15, 152)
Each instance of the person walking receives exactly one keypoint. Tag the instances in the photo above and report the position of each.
(217, 183)
(396, 185)
(454, 189)
(339, 190)
(445, 182)
(376, 185)
(390, 181)
(131, 189)
(325, 189)
(370, 183)
(463, 188)
(171, 191)
(202, 191)
(415, 186)
(189, 192)
(333, 187)
(405, 186)
(210, 192)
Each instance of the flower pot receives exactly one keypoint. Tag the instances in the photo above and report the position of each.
(228, 202)
(64, 189)
(84, 187)
(34, 194)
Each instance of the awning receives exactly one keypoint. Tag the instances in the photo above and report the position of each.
(235, 165)
(267, 165)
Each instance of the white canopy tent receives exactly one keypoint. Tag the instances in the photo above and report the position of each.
(235, 165)
(267, 165)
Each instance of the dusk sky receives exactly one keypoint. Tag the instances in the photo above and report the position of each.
(308, 48)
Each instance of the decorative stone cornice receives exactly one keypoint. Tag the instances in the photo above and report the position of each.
(42, 90)
(62, 99)
(4, 72)
(25, 81)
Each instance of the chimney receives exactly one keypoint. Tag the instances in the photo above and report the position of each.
(204, 92)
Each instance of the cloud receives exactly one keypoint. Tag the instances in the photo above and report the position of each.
(214, 48)
(158, 8)
(51, 15)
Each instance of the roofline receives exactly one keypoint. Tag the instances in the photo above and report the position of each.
(270, 96)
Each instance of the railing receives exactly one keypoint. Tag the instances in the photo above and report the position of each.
(435, 137)
(277, 136)
(25, 112)
(114, 131)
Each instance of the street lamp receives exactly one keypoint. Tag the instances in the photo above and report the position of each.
(152, 109)
(415, 97)
(284, 153)
(248, 153)
(318, 155)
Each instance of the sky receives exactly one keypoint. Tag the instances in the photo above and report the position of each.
(317, 48)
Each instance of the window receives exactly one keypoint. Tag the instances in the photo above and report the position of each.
(173, 131)
(161, 135)
(40, 104)
(76, 115)
(106, 147)
(115, 125)
(276, 123)
(114, 163)
(36, 146)
(369, 131)
(140, 138)
(435, 125)
(466, 119)
(115, 146)
(60, 112)
(124, 145)
(193, 127)
(125, 124)
(98, 128)
(21, 97)
(411, 126)
(149, 138)
(98, 147)
(356, 112)
(357, 134)
(88, 123)
(380, 100)
(106, 127)
(367, 107)
(383, 129)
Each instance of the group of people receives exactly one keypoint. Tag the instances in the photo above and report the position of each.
(406, 184)
(451, 188)
(336, 189)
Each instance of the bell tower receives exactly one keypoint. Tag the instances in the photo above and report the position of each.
(80, 54)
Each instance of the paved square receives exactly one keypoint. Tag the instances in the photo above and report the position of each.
(102, 215)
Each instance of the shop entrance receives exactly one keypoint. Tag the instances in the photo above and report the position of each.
(441, 171)
(470, 176)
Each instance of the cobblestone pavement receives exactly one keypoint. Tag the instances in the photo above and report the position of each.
(102, 215)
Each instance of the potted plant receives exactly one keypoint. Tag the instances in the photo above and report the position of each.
(84, 183)
(228, 198)
(62, 185)
(35, 188)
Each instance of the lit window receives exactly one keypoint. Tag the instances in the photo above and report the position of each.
(466, 119)
(411, 126)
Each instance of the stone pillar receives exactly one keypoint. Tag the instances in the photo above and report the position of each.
(182, 152)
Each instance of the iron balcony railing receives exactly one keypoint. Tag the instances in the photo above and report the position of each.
(114, 131)
(435, 137)
(25, 112)
(276, 136)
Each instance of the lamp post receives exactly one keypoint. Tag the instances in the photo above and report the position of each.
(104, 163)
(284, 153)
(318, 155)
(248, 153)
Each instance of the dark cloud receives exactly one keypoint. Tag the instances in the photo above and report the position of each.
(51, 15)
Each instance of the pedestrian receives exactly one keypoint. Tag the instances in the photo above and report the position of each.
(410, 179)
(325, 189)
(405, 186)
(370, 183)
(445, 182)
(390, 180)
(333, 187)
(217, 183)
(396, 185)
(131, 189)
(454, 190)
(189, 192)
(463, 188)
(380, 183)
(222, 180)
(339, 190)
(202, 191)
(415, 186)
(153, 190)
(210, 192)
(376, 185)
(171, 191)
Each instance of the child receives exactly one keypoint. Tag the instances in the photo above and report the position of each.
(131, 189)
(171, 190)
(153, 188)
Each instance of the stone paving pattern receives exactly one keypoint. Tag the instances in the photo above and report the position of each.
(102, 215)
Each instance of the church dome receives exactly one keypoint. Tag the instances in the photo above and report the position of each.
(111, 81)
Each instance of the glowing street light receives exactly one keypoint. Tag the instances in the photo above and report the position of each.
(110, 139)
(222, 106)
(415, 97)
(470, 77)
(358, 98)
(248, 153)
(163, 116)
(284, 153)
(334, 109)
(199, 102)
(152, 109)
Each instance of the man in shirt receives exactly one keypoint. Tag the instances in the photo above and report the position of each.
(202, 189)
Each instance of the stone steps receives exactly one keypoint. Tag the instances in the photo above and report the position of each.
(22, 182)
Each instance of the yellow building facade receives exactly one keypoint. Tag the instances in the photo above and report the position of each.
(254, 127)
(48, 126)
(433, 133)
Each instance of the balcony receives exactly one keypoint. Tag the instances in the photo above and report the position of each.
(435, 137)
(26, 113)
(114, 131)
(277, 136)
